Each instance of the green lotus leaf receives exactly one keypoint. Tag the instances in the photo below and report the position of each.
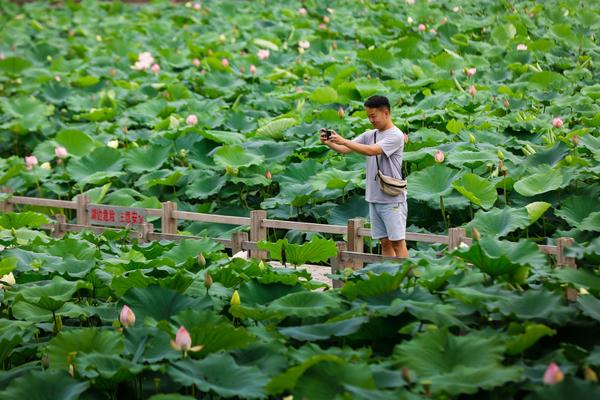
(28, 113)
(29, 219)
(205, 185)
(235, 156)
(14, 65)
(496, 258)
(526, 337)
(375, 285)
(305, 304)
(574, 209)
(354, 207)
(133, 279)
(537, 305)
(220, 373)
(71, 247)
(275, 128)
(255, 293)
(109, 367)
(456, 364)
(324, 330)
(578, 278)
(100, 164)
(190, 248)
(500, 222)
(470, 159)
(442, 315)
(148, 158)
(45, 385)
(170, 396)
(590, 306)
(82, 341)
(159, 303)
(7, 265)
(50, 295)
(548, 157)
(477, 190)
(431, 183)
(540, 182)
(591, 222)
(324, 95)
(536, 209)
(75, 141)
(570, 388)
(149, 344)
(316, 250)
(30, 312)
(224, 137)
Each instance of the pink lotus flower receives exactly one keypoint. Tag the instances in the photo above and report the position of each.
(432, 31)
(472, 90)
(304, 44)
(557, 122)
(298, 90)
(144, 61)
(191, 119)
(471, 72)
(127, 317)
(522, 47)
(197, 6)
(57, 78)
(61, 152)
(302, 11)
(553, 374)
(439, 156)
(263, 54)
(422, 28)
(196, 62)
(155, 68)
(322, 26)
(30, 162)
(268, 175)
(253, 69)
(225, 62)
(183, 341)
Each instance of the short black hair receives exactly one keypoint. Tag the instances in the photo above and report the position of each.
(378, 102)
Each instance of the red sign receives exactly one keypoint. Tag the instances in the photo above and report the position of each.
(115, 216)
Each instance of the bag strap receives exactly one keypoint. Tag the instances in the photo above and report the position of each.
(376, 157)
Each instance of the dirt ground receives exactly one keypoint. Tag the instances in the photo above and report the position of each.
(316, 271)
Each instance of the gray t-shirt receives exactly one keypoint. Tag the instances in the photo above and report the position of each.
(390, 163)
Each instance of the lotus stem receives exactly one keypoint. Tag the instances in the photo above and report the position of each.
(443, 211)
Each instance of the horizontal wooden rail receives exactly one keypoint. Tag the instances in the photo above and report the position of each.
(303, 226)
(32, 201)
(366, 257)
(216, 218)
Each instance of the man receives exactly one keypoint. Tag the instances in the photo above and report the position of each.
(387, 213)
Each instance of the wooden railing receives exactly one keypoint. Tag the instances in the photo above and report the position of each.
(350, 252)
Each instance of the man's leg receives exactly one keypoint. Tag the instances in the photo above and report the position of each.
(399, 247)
(387, 248)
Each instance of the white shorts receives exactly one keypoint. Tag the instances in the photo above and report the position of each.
(388, 220)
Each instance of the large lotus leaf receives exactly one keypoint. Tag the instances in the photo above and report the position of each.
(570, 388)
(159, 303)
(469, 159)
(298, 172)
(441, 315)
(102, 163)
(7, 265)
(205, 186)
(354, 207)
(578, 278)
(540, 182)
(335, 179)
(149, 344)
(70, 247)
(431, 183)
(591, 223)
(324, 330)
(536, 209)
(82, 341)
(536, 305)
(500, 222)
(14, 65)
(13, 333)
(527, 336)
(456, 364)
(305, 304)
(574, 209)
(477, 190)
(375, 285)
(274, 129)
(549, 157)
(75, 141)
(235, 156)
(273, 152)
(28, 112)
(29, 219)
(317, 250)
(255, 293)
(50, 295)
(224, 137)
(590, 306)
(45, 385)
(109, 367)
(496, 258)
(190, 248)
(30, 312)
(221, 374)
(147, 158)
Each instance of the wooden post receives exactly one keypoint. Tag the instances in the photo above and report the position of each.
(455, 237)
(168, 223)
(145, 229)
(562, 260)
(238, 238)
(82, 212)
(337, 264)
(258, 232)
(6, 205)
(60, 221)
(355, 242)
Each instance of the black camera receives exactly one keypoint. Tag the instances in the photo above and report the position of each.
(328, 133)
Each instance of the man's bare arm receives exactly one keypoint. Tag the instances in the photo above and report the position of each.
(365, 149)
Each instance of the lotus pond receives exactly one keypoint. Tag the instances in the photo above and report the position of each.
(216, 105)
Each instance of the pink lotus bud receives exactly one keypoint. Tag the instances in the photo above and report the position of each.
(443, 20)
(304, 44)
(155, 68)
(322, 26)
(432, 31)
(183, 340)
(203, 72)
(298, 90)
(341, 112)
(575, 139)
(302, 11)
(405, 138)
(57, 78)
(61, 152)
(506, 103)
(472, 90)
(253, 69)
(326, 19)
(422, 27)
(330, 10)
(225, 62)
(191, 119)
(196, 62)
(127, 316)
(522, 47)
(263, 54)
(471, 71)
(557, 122)
(197, 6)
(30, 162)
(553, 374)
(268, 175)
(439, 156)
(456, 9)
(410, 20)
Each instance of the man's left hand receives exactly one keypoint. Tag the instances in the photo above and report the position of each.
(336, 138)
